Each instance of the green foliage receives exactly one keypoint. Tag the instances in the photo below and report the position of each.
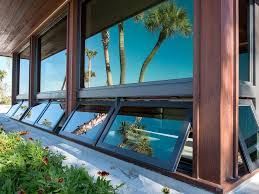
(5, 100)
(90, 53)
(25, 167)
(168, 20)
(135, 138)
(3, 74)
(92, 74)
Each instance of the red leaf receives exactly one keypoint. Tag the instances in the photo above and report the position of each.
(45, 160)
(23, 132)
(103, 173)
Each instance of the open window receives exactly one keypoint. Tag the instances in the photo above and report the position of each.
(50, 119)
(87, 122)
(249, 134)
(153, 133)
(21, 110)
(34, 113)
(13, 109)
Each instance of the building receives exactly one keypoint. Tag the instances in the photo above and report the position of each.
(171, 86)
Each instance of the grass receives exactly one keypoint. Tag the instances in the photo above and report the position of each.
(26, 167)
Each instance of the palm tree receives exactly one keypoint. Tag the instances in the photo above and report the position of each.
(87, 74)
(90, 54)
(105, 41)
(168, 20)
(122, 53)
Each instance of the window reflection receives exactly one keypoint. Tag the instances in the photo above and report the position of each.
(156, 44)
(87, 120)
(53, 58)
(244, 64)
(250, 132)
(153, 132)
(34, 113)
(24, 64)
(51, 116)
(22, 109)
(13, 109)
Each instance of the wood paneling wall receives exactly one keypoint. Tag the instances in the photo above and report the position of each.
(15, 76)
(215, 90)
(73, 55)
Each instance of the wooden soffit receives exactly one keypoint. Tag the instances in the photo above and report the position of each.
(19, 18)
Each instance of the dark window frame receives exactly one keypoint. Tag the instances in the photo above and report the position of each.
(52, 130)
(242, 145)
(21, 116)
(19, 104)
(138, 158)
(251, 42)
(23, 120)
(84, 140)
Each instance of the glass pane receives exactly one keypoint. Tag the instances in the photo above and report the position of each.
(24, 71)
(34, 113)
(153, 132)
(51, 116)
(124, 47)
(13, 109)
(244, 69)
(22, 109)
(249, 131)
(87, 121)
(53, 58)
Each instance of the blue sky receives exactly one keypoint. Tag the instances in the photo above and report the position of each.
(53, 71)
(24, 76)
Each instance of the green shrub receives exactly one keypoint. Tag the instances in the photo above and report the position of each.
(27, 167)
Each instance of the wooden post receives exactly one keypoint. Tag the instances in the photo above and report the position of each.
(215, 90)
(34, 71)
(15, 76)
(73, 55)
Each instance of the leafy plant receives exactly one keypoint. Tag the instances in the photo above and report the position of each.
(25, 167)
(135, 137)
(89, 74)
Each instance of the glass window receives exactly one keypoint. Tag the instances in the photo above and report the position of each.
(53, 58)
(149, 133)
(13, 109)
(86, 122)
(51, 116)
(24, 69)
(33, 114)
(132, 45)
(20, 112)
(244, 61)
(249, 135)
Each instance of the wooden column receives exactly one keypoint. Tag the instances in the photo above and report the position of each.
(34, 71)
(15, 76)
(215, 90)
(73, 55)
